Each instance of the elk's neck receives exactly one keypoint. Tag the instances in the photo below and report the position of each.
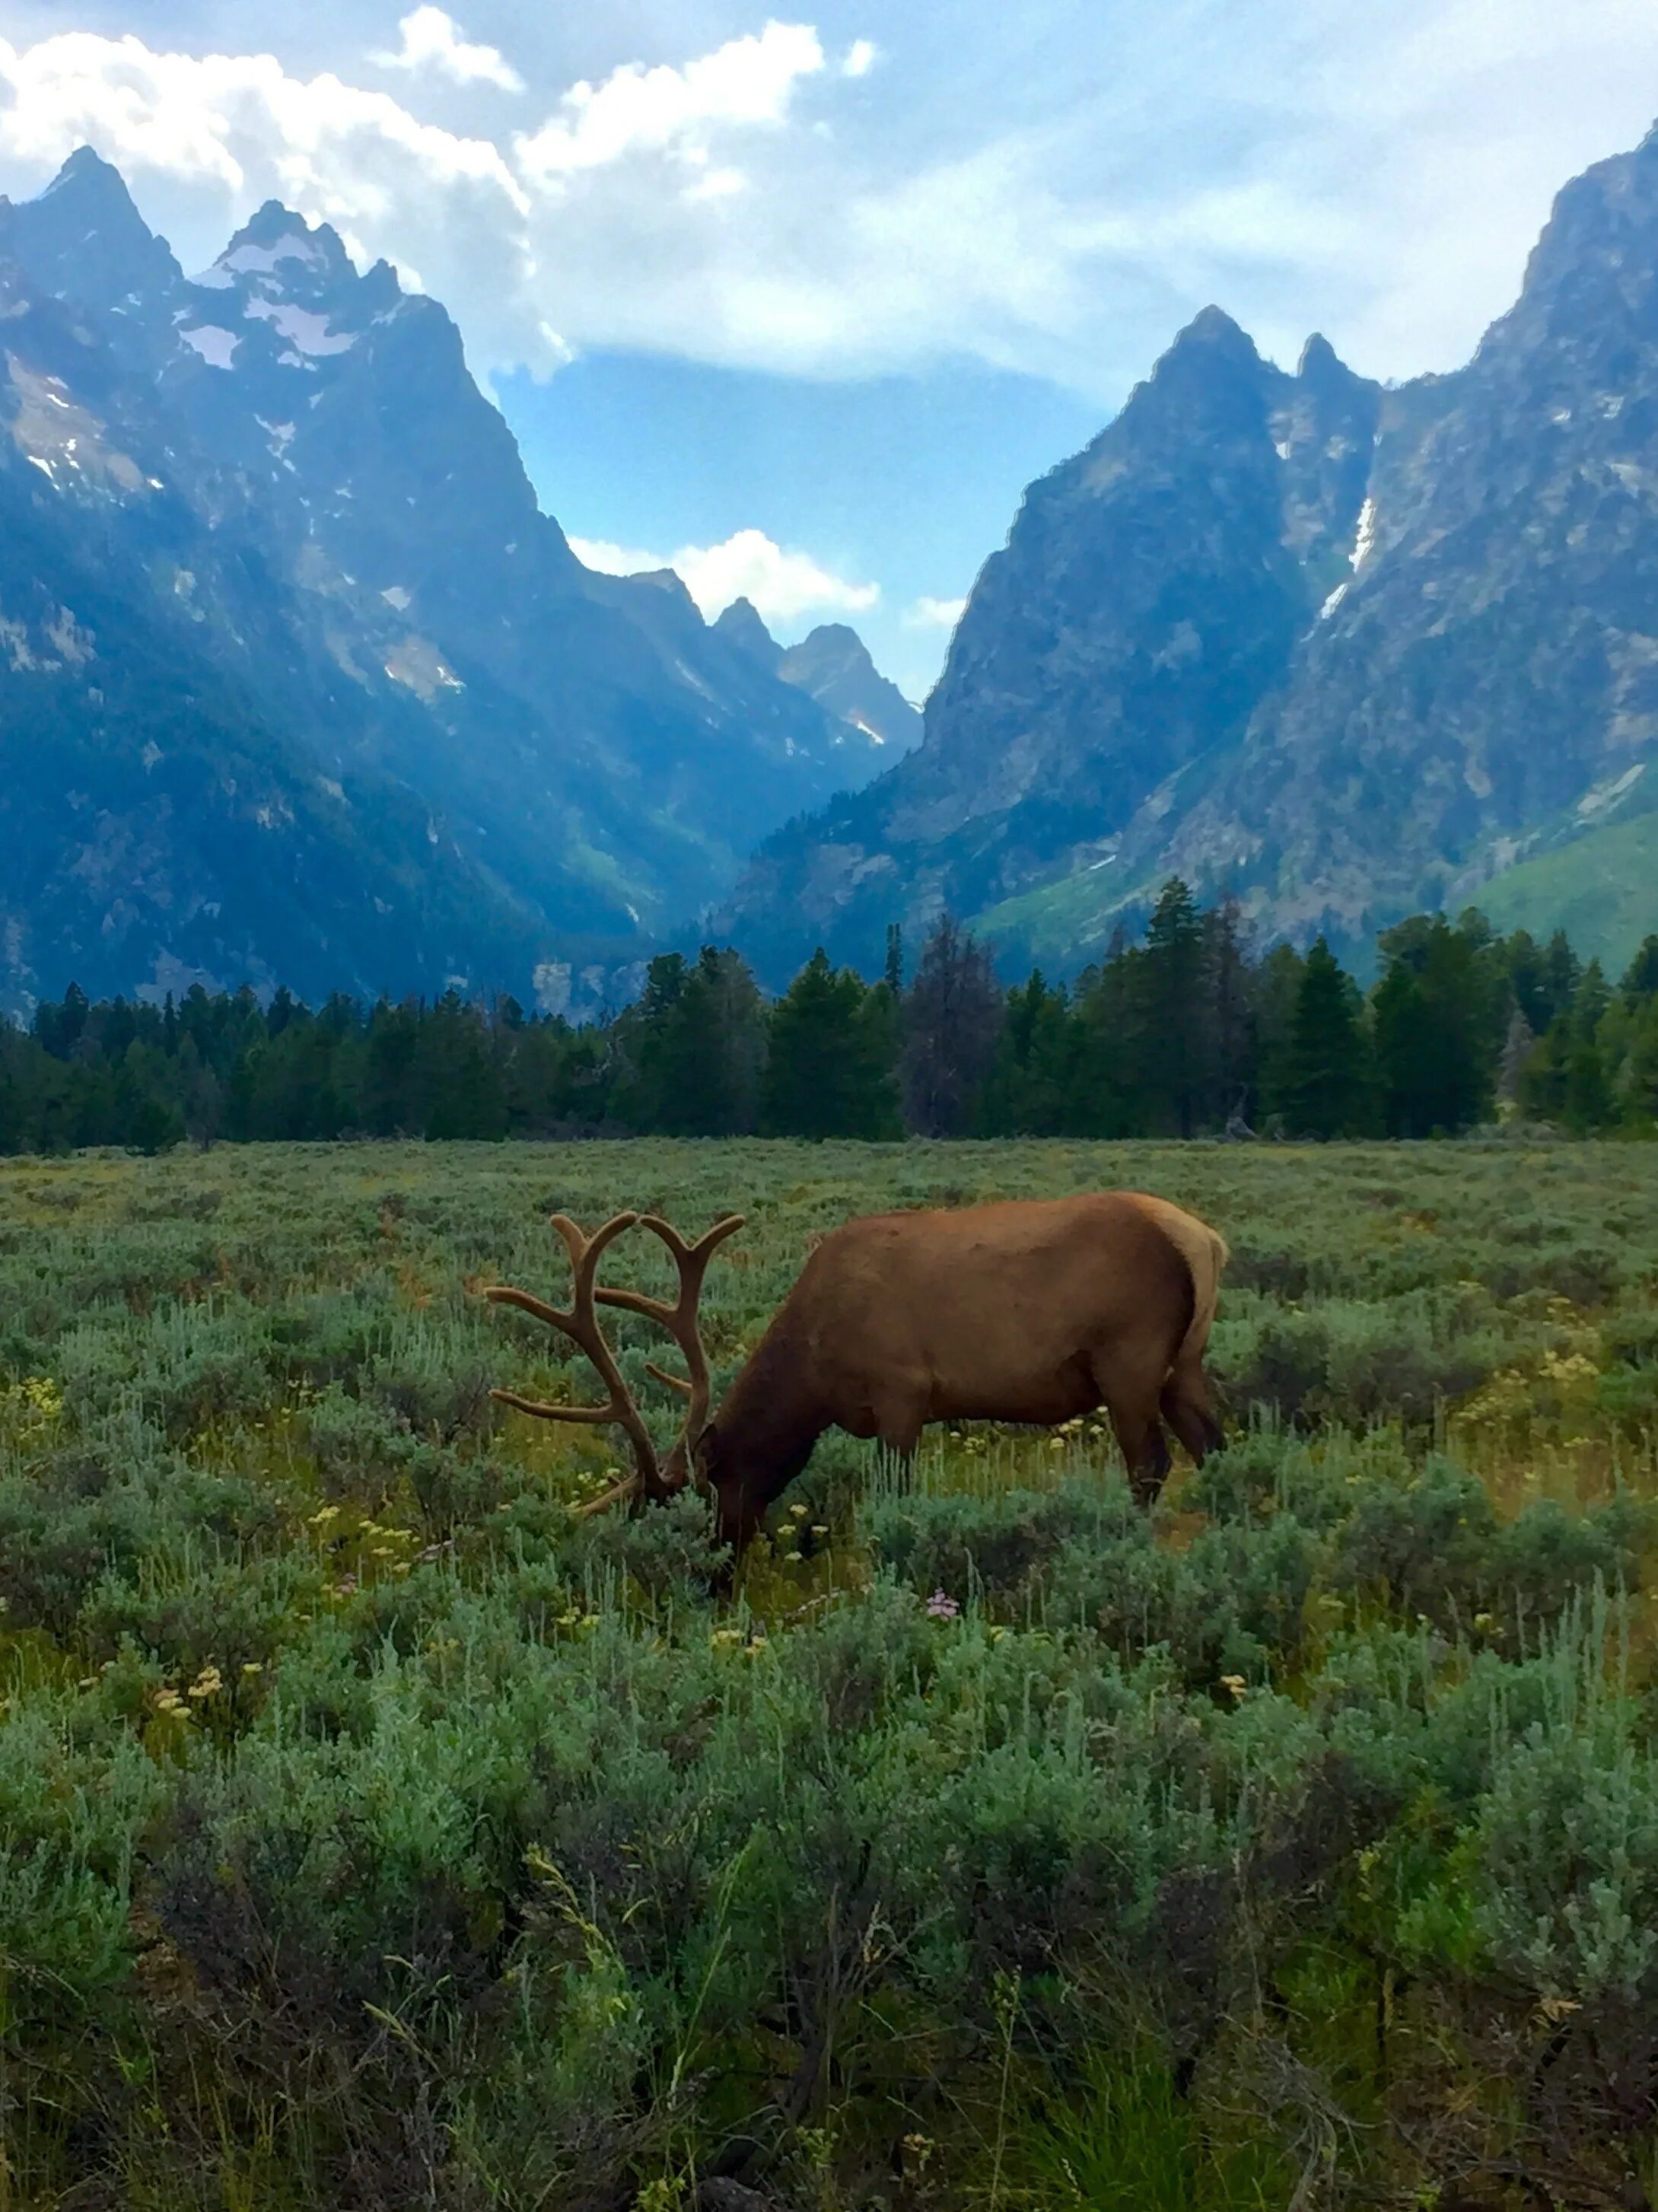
(769, 1419)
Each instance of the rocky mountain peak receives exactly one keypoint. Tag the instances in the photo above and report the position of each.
(742, 623)
(279, 257)
(1320, 366)
(833, 664)
(83, 240)
(1211, 341)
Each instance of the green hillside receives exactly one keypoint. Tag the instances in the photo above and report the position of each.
(1602, 890)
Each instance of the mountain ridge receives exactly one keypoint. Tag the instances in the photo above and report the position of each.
(281, 472)
(1342, 651)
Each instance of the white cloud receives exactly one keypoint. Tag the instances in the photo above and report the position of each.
(927, 613)
(861, 58)
(747, 82)
(748, 565)
(432, 40)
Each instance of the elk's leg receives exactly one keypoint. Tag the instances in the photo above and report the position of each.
(899, 1421)
(1129, 1391)
(1145, 1452)
(1188, 1406)
(737, 1516)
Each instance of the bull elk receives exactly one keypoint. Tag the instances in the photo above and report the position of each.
(1030, 1310)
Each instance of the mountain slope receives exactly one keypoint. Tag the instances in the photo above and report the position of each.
(1349, 653)
(282, 475)
(1150, 592)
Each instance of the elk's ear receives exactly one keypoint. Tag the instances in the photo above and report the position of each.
(706, 1452)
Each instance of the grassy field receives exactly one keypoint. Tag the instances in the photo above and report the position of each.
(375, 1834)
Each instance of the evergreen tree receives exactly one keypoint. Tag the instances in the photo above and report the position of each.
(824, 1077)
(1437, 1013)
(1326, 1080)
(1587, 1102)
(1276, 988)
(1101, 1096)
(1029, 1091)
(893, 973)
(1641, 976)
(1174, 1047)
(1233, 1052)
(1640, 1068)
(953, 1014)
(457, 1078)
(694, 1045)
(388, 1100)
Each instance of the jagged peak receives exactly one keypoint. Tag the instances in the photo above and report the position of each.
(86, 168)
(1211, 341)
(743, 624)
(83, 237)
(1213, 326)
(276, 234)
(839, 637)
(97, 191)
(1318, 358)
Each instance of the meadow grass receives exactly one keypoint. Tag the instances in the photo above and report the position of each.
(376, 1833)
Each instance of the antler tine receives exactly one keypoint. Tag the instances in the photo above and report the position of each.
(579, 1322)
(680, 1319)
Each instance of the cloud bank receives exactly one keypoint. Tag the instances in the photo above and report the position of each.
(782, 586)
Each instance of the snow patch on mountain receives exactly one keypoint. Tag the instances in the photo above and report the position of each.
(216, 347)
(307, 332)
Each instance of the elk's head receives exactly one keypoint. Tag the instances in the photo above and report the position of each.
(652, 1478)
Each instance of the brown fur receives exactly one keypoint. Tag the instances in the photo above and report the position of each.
(1034, 1310)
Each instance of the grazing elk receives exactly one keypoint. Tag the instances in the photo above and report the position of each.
(1032, 1311)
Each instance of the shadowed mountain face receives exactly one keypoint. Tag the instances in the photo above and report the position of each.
(295, 678)
(1347, 652)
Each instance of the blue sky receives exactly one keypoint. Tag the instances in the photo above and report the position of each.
(802, 300)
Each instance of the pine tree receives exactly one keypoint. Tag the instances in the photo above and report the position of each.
(1028, 1092)
(1233, 1052)
(1437, 1012)
(1174, 1047)
(1276, 986)
(824, 1074)
(1587, 1103)
(1327, 1075)
(693, 1045)
(1641, 976)
(1100, 1097)
(894, 972)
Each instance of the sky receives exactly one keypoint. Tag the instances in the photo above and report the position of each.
(801, 302)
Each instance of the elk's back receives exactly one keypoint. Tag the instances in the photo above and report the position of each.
(995, 1308)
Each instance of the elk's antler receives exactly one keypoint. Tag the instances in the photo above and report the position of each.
(580, 1325)
(680, 1320)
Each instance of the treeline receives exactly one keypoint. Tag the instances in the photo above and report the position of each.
(1188, 1033)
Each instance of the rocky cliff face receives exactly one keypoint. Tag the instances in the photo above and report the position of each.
(1345, 652)
(832, 664)
(291, 542)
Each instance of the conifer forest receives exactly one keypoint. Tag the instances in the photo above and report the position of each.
(1188, 1033)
